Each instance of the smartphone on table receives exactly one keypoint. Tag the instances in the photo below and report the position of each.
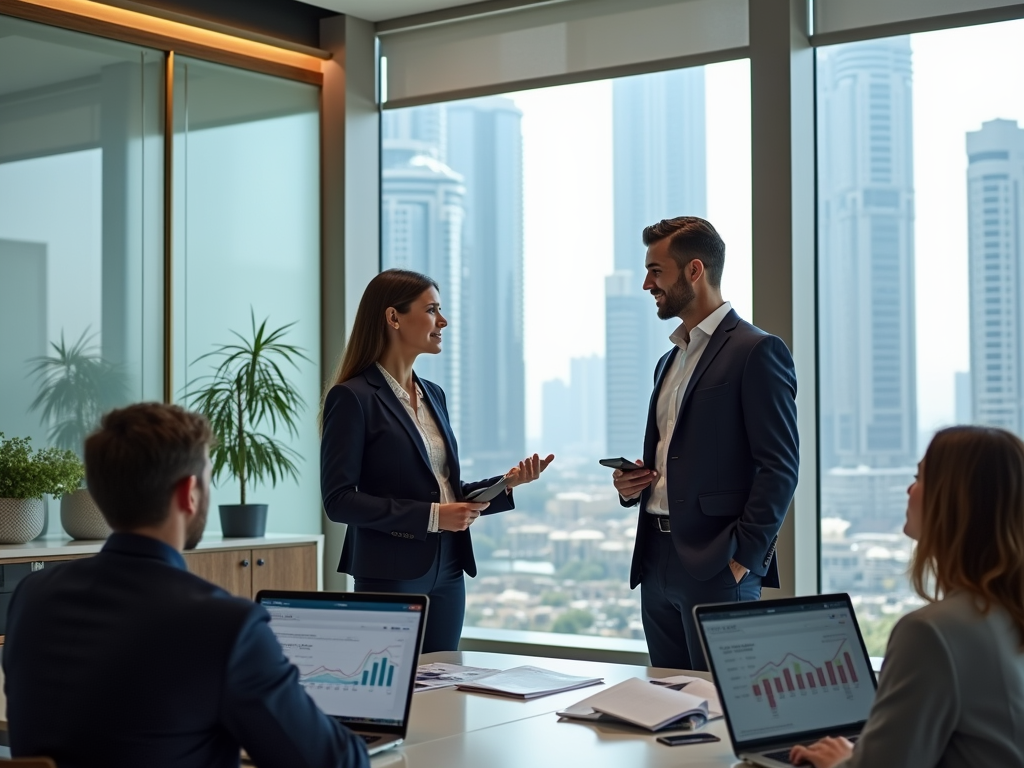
(679, 739)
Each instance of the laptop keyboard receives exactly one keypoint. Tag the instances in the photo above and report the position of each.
(782, 755)
(370, 739)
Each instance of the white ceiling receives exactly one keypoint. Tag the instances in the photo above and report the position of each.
(381, 10)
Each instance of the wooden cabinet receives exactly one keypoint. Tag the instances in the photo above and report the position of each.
(227, 568)
(244, 572)
(284, 568)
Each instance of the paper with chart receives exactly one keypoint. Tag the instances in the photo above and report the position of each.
(354, 664)
(788, 672)
(431, 677)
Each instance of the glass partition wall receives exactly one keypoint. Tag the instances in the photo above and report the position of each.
(528, 210)
(81, 230)
(82, 252)
(247, 248)
(921, 286)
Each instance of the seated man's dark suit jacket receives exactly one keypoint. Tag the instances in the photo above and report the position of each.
(375, 476)
(733, 459)
(126, 660)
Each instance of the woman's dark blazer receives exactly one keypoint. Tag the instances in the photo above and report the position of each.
(376, 477)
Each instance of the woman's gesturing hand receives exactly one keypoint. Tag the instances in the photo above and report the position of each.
(528, 470)
(459, 516)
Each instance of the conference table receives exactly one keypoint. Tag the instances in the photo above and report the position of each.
(449, 728)
(455, 729)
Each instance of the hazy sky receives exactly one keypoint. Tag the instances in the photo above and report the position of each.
(568, 212)
(961, 78)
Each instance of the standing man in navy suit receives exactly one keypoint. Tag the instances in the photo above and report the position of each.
(720, 453)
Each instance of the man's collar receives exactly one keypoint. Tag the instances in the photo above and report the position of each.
(707, 326)
(136, 545)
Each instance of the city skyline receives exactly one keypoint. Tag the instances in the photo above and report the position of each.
(995, 174)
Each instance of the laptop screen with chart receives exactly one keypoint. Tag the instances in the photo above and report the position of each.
(356, 653)
(788, 668)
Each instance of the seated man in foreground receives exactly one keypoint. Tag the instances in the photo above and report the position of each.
(126, 659)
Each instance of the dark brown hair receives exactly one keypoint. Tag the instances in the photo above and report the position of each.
(134, 461)
(397, 288)
(972, 519)
(692, 238)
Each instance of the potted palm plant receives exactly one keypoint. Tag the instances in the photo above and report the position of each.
(247, 399)
(24, 478)
(76, 387)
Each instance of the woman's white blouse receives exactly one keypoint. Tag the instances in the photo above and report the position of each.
(433, 441)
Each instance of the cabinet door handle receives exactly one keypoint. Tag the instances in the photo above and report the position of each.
(261, 561)
(245, 563)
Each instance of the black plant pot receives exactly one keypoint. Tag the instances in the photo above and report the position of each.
(243, 521)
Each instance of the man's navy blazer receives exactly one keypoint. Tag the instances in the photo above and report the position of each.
(733, 459)
(375, 476)
(127, 660)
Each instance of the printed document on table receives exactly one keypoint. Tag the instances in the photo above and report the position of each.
(431, 677)
(528, 682)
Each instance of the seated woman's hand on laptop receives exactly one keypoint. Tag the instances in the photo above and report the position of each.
(822, 754)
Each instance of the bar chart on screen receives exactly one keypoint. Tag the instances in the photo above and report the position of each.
(774, 681)
(792, 671)
(348, 674)
(377, 670)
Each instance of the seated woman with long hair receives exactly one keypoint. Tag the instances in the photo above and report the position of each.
(951, 691)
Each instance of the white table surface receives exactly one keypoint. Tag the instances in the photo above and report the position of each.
(455, 729)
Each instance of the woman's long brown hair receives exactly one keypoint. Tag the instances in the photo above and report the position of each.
(972, 520)
(397, 288)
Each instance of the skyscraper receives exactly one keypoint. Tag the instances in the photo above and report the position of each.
(484, 144)
(660, 154)
(866, 263)
(422, 216)
(995, 177)
(453, 208)
(867, 349)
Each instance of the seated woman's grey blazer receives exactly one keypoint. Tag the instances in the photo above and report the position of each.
(951, 692)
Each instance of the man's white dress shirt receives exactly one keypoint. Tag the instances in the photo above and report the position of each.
(670, 397)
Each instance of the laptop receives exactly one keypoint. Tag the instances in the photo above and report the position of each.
(356, 653)
(788, 672)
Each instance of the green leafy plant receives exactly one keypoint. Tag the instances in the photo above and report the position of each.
(28, 475)
(76, 387)
(246, 392)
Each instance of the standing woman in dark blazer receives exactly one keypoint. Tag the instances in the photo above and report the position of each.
(389, 464)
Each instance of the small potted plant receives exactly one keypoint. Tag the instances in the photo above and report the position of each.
(76, 387)
(24, 478)
(247, 393)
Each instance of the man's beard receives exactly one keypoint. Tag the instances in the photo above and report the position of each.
(195, 527)
(677, 298)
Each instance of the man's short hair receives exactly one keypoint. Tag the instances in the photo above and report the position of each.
(137, 457)
(692, 238)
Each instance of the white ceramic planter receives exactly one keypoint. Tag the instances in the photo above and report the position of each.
(21, 520)
(81, 518)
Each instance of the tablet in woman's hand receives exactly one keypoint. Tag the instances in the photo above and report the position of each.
(490, 492)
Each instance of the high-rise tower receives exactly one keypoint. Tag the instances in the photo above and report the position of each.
(660, 155)
(422, 216)
(867, 351)
(484, 144)
(995, 178)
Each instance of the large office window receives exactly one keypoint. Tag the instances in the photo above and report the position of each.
(528, 209)
(921, 269)
(81, 234)
(247, 245)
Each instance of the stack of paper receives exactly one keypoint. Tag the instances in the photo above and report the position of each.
(638, 702)
(528, 683)
(430, 677)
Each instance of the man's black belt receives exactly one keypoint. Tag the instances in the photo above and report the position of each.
(660, 523)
